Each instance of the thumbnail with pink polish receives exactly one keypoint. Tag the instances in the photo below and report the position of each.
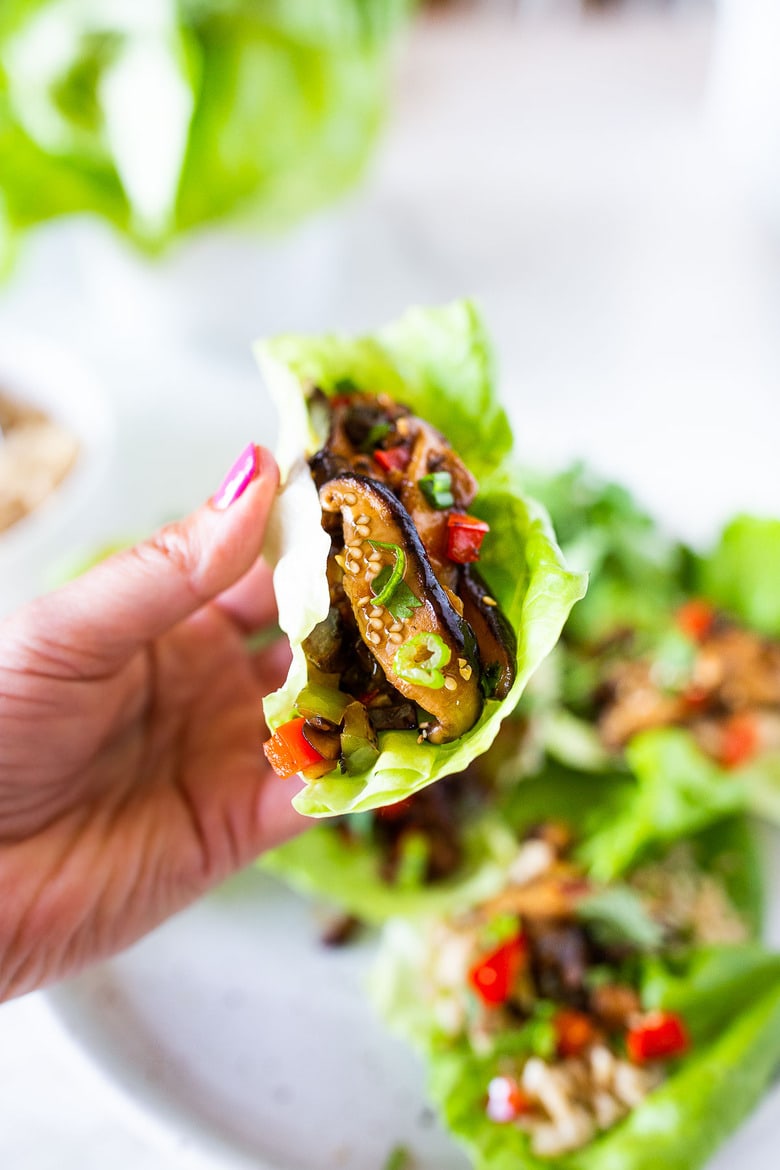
(237, 479)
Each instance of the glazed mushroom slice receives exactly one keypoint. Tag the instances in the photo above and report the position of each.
(496, 639)
(427, 652)
(430, 452)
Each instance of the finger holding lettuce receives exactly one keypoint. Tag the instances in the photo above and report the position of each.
(397, 479)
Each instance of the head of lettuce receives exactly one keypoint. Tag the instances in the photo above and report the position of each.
(162, 115)
(436, 362)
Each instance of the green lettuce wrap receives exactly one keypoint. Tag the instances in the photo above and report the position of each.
(681, 1123)
(437, 363)
(727, 995)
(348, 874)
(684, 615)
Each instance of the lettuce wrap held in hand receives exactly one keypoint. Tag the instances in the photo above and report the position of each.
(418, 585)
(591, 1026)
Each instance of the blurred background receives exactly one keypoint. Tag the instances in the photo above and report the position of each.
(179, 177)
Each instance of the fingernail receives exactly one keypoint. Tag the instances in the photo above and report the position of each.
(237, 479)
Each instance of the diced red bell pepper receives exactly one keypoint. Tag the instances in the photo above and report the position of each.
(696, 697)
(695, 618)
(288, 751)
(741, 740)
(506, 1100)
(574, 1032)
(464, 537)
(657, 1036)
(397, 811)
(393, 459)
(494, 975)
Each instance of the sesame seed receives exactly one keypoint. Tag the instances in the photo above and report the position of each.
(450, 683)
(363, 519)
(375, 555)
(373, 638)
(465, 672)
(364, 601)
(395, 637)
(375, 623)
(352, 567)
(396, 627)
(377, 611)
(488, 600)
(362, 530)
(350, 498)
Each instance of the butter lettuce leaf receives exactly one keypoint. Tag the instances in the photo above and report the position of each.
(189, 111)
(742, 573)
(322, 864)
(677, 791)
(436, 361)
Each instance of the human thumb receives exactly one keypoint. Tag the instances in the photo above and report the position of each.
(100, 620)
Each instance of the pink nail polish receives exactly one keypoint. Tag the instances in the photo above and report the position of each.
(237, 479)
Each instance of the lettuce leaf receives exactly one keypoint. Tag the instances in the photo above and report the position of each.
(677, 791)
(742, 573)
(321, 864)
(437, 361)
(636, 569)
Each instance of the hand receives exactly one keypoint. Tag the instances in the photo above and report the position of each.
(132, 776)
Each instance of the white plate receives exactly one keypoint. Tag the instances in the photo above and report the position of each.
(235, 1023)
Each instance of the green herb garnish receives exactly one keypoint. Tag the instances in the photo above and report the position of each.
(388, 587)
(618, 917)
(399, 1158)
(345, 386)
(488, 680)
(374, 437)
(413, 858)
(437, 489)
(499, 930)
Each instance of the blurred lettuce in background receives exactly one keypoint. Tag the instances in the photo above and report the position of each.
(161, 115)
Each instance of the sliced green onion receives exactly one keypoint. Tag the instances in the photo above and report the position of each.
(437, 489)
(375, 435)
(387, 588)
(412, 665)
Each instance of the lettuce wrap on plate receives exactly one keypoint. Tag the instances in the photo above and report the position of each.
(580, 1024)
(671, 665)
(419, 586)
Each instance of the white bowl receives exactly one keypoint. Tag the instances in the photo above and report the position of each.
(34, 371)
